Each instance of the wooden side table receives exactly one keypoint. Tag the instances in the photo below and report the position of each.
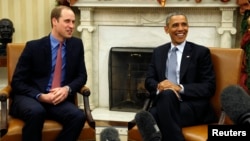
(3, 61)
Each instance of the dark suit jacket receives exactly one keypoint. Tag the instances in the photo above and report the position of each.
(196, 74)
(33, 69)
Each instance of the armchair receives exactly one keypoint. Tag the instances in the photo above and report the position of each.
(227, 65)
(11, 128)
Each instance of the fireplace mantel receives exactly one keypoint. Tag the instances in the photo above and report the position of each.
(153, 3)
(121, 23)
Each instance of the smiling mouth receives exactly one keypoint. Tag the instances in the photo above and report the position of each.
(69, 31)
(180, 34)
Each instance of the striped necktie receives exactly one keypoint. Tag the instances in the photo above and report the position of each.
(56, 82)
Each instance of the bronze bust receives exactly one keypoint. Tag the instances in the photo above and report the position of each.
(6, 31)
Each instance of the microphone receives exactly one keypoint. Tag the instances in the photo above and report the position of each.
(235, 102)
(147, 126)
(109, 134)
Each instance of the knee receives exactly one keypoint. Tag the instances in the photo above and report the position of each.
(79, 116)
(167, 95)
(167, 99)
(35, 113)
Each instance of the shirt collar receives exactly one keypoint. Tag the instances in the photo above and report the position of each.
(54, 42)
(180, 46)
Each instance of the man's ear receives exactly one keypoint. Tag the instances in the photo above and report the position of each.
(166, 29)
(54, 21)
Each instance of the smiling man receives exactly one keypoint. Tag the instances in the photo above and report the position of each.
(48, 74)
(181, 81)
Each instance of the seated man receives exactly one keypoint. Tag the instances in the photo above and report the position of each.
(48, 74)
(181, 80)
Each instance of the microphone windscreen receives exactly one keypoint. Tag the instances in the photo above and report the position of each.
(109, 134)
(235, 102)
(147, 126)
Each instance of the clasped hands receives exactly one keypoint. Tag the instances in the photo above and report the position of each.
(55, 96)
(166, 84)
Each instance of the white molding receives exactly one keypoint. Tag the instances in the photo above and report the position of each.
(152, 3)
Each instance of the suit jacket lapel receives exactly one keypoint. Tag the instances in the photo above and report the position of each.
(69, 55)
(164, 51)
(47, 52)
(185, 60)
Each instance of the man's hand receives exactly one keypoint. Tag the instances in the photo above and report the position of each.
(60, 94)
(166, 84)
(46, 98)
(55, 96)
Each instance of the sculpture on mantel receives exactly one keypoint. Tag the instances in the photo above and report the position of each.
(245, 43)
(6, 31)
(162, 2)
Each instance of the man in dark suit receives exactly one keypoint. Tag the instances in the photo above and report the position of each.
(34, 99)
(186, 101)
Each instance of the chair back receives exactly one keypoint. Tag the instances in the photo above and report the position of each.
(14, 51)
(227, 65)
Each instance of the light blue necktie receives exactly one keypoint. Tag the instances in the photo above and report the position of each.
(172, 64)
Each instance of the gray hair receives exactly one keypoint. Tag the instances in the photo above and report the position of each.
(170, 15)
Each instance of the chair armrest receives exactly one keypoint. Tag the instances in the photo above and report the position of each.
(146, 106)
(4, 95)
(85, 92)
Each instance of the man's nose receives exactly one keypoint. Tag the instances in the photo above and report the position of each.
(6, 28)
(180, 27)
(72, 24)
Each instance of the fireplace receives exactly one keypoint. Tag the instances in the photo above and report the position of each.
(127, 72)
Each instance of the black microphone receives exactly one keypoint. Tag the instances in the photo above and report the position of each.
(109, 134)
(235, 101)
(147, 126)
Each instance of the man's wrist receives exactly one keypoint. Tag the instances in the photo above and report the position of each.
(68, 88)
(37, 96)
(181, 88)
